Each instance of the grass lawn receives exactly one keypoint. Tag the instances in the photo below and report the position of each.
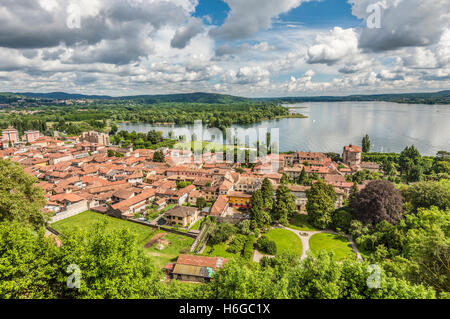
(219, 250)
(171, 252)
(285, 240)
(143, 234)
(89, 218)
(330, 242)
(167, 208)
(300, 222)
(196, 226)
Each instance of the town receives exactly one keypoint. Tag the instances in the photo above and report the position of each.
(80, 174)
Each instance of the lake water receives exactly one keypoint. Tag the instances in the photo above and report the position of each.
(330, 126)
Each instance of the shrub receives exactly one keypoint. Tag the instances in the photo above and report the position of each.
(267, 246)
(237, 245)
(222, 233)
(342, 218)
(248, 248)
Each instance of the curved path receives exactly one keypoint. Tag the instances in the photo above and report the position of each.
(305, 236)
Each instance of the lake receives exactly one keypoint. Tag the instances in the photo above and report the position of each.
(330, 126)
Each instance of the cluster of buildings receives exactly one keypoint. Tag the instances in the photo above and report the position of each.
(76, 174)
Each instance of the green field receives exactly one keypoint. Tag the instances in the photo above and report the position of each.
(330, 242)
(300, 222)
(143, 233)
(89, 218)
(178, 244)
(286, 241)
(219, 250)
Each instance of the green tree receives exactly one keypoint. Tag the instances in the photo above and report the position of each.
(410, 164)
(321, 204)
(428, 247)
(285, 179)
(20, 199)
(267, 194)
(427, 194)
(158, 157)
(201, 203)
(28, 263)
(284, 207)
(112, 265)
(303, 178)
(366, 144)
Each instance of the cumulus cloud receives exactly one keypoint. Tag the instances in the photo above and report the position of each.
(331, 48)
(404, 23)
(249, 16)
(227, 49)
(184, 35)
(44, 24)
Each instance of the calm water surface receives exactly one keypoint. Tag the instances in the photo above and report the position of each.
(330, 126)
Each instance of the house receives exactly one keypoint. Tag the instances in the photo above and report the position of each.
(133, 205)
(352, 155)
(220, 207)
(248, 184)
(182, 215)
(181, 196)
(68, 202)
(239, 199)
(195, 268)
(371, 167)
(300, 196)
(194, 196)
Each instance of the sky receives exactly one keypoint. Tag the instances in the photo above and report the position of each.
(253, 48)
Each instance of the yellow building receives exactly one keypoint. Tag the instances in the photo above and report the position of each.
(239, 199)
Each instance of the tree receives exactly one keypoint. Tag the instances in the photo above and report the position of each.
(267, 194)
(158, 157)
(285, 179)
(20, 199)
(303, 178)
(427, 194)
(320, 205)
(366, 144)
(257, 212)
(201, 203)
(428, 247)
(113, 129)
(342, 219)
(377, 202)
(27, 261)
(222, 233)
(285, 206)
(267, 246)
(410, 164)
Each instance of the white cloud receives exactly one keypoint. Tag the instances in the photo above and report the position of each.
(331, 48)
(250, 16)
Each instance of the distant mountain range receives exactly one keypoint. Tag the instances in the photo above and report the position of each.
(442, 97)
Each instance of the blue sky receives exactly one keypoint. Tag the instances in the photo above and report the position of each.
(323, 14)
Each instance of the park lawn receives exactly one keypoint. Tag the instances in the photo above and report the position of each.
(178, 244)
(300, 222)
(330, 242)
(90, 218)
(143, 234)
(286, 240)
